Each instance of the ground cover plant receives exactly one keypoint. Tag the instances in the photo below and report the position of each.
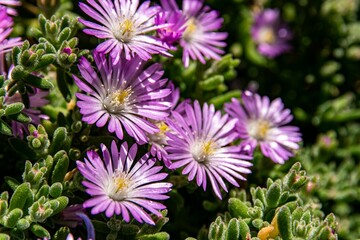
(189, 119)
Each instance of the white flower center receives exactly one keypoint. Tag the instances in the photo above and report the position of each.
(191, 27)
(267, 35)
(160, 137)
(124, 30)
(258, 129)
(118, 100)
(202, 150)
(118, 186)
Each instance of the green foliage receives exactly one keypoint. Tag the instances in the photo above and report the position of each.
(277, 211)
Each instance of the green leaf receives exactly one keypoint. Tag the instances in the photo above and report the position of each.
(63, 202)
(39, 231)
(38, 82)
(20, 195)
(14, 108)
(244, 229)
(13, 217)
(284, 222)
(273, 195)
(233, 232)
(61, 161)
(4, 236)
(5, 128)
(58, 140)
(23, 224)
(237, 208)
(211, 83)
(21, 117)
(56, 190)
(156, 236)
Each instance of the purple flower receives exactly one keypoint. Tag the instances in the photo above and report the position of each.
(37, 99)
(201, 144)
(200, 39)
(263, 123)
(177, 25)
(6, 45)
(12, 3)
(122, 185)
(159, 139)
(270, 34)
(124, 26)
(75, 215)
(124, 95)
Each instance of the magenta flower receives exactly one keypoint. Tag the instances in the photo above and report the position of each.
(200, 39)
(122, 185)
(125, 26)
(6, 45)
(264, 123)
(177, 25)
(124, 95)
(270, 34)
(11, 3)
(200, 143)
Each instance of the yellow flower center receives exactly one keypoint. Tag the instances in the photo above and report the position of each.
(124, 31)
(121, 184)
(267, 35)
(163, 127)
(190, 29)
(118, 186)
(202, 151)
(118, 100)
(262, 130)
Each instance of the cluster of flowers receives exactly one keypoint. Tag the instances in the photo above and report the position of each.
(127, 94)
(132, 98)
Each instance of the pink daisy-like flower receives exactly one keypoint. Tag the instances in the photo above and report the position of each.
(11, 3)
(124, 95)
(124, 24)
(159, 139)
(200, 39)
(270, 33)
(6, 45)
(122, 185)
(201, 143)
(264, 123)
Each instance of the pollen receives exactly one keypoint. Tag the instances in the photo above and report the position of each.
(163, 127)
(201, 151)
(263, 129)
(121, 96)
(127, 26)
(124, 31)
(121, 184)
(267, 35)
(190, 29)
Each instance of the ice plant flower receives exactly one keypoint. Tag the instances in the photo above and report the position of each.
(125, 26)
(200, 38)
(177, 25)
(11, 3)
(200, 142)
(158, 140)
(121, 184)
(264, 123)
(270, 34)
(126, 95)
(6, 45)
